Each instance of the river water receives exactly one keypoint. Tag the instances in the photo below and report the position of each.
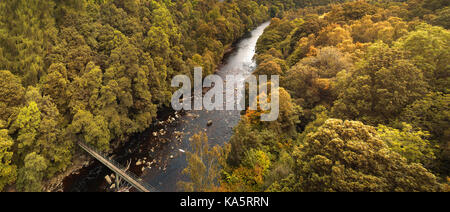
(158, 155)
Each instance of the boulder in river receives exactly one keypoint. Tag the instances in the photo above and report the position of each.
(108, 179)
(162, 132)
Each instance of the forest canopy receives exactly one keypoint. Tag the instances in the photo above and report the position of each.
(99, 71)
(367, 86)
(365, 89)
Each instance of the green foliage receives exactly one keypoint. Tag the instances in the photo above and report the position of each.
(258, 158)
(413, 145)
(351, 11)
(442, 18)
(288, 115)
(431, 114)
(250, 175)
(8, 171)
(268, 68)
(305, 84)
(31, 174)
(28, 122)
(365, 30)
(349, 156)
(93, 129)
(243, 139)
(429, 48)
(157, 42)
(381, 86)
(275, 33)
(11, 95)
(203, 166)
(313, 119)
(25, 31)
(50, 142)
(39, 130)
(56, 85)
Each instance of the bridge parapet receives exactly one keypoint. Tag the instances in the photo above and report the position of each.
(120, 170)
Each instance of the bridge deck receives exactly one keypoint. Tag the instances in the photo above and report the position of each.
(118, 169)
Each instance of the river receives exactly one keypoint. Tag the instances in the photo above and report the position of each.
(158, 154)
